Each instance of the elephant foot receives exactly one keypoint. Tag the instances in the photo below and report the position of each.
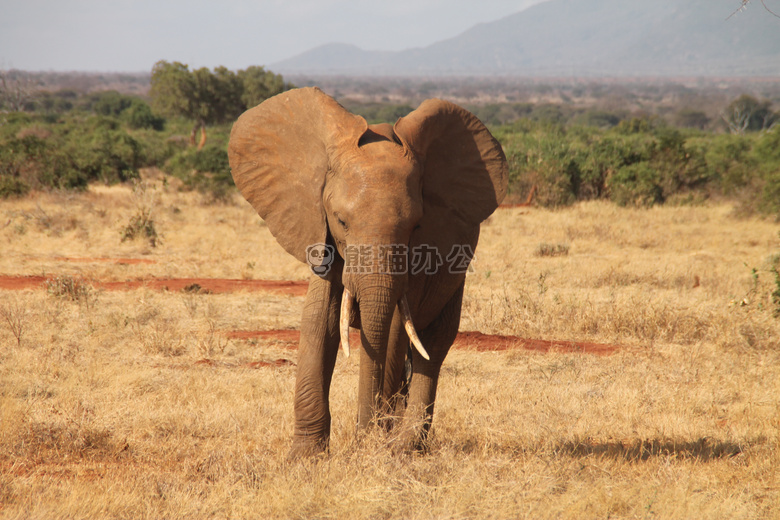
(406, 440)
(306, 449)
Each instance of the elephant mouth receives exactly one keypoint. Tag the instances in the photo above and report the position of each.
(403, 304)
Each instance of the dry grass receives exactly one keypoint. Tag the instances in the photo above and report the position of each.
(104, 412)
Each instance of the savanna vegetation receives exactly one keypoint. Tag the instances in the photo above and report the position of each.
(640, 145)
(566, 153)
(65, 139)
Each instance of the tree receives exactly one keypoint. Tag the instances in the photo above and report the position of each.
(746, 113)
(259, 84)
(16, 90)
(173, 92)
(208, 97)
(226, 94)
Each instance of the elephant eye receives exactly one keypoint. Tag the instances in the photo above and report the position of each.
(342, 223)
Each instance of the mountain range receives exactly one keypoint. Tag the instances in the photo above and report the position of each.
(581, 38)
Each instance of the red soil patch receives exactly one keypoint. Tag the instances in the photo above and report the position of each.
(282, 335)
(121, 261)
(211, 285)
(493, 342)
(193, 285)
(275, 363)
(466, 340)
(19, 283)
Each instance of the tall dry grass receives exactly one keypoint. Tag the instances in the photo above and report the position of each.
(105, 412)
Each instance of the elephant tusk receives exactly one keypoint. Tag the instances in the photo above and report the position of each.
(346, 311)
(409, 326)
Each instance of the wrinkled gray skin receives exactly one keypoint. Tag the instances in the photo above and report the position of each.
(318, 174)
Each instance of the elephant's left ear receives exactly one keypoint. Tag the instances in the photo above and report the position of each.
(464, 167)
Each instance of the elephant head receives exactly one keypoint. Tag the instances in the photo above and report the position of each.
(319, 175)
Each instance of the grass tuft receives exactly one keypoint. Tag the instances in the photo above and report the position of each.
(71, 288)
(546, 249)
(142, 224)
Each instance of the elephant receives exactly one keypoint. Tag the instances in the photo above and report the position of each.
(387, 217)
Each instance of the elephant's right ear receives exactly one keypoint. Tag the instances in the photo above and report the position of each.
(279, 155)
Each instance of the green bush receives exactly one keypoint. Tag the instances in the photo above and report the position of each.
(549, 113)
(767, 148)
(553, 169)
(502, 113)
(679, 167)
(134, 111)
(729, 162)
(139, 115)
(769, 201)
(379, 112)
(70, 153)
(106, 153)
(598, 118)
(206, 170)
(636, 184)
(635, 163)
(55, 103)
(211, 159)
(36, 162)
(109, 103)
(599, 157)
(12, 187)
(635, 125)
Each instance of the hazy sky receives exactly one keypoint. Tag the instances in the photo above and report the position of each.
(131, 35)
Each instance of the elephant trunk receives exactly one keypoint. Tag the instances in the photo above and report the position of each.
(403, 305)
(377, 296)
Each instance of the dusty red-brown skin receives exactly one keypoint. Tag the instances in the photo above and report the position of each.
(319, 175)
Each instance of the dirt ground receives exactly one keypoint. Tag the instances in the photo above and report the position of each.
(612, 363)
(466, 339)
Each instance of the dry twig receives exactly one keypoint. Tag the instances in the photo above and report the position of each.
(744, 5)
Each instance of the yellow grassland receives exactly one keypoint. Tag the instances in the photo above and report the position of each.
(104, 412)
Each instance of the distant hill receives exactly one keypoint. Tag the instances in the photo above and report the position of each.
(581, 38)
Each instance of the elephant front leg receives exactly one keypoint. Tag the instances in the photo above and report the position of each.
(415, 427)
(316, 359)
(437, 339)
